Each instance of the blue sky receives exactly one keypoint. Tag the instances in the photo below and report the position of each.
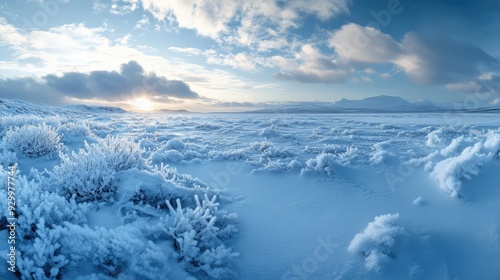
(233, 55)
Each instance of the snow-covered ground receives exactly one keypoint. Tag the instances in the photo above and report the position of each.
(104, 194)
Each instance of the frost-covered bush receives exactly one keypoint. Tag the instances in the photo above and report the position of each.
(376, 242)
(229, 154)
(7, 158)
(449, 165)
(145, 191)
(75, 129)
(7, 122)
(42, 258)
(269, 150)
(449, 172)
(198, 237)
(32, 140)
(88, 175)
(278, 165)
(324, 163)
(4, 175)
(269, 131)
(108, 250)
(39, 229)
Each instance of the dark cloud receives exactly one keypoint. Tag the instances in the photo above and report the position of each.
(106, 85)
(441, 60)
(29, 89)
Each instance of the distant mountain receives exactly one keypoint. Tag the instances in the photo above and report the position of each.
(173, 111)
(382, 103)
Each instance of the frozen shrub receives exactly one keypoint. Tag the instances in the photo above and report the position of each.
(32, 140)
(185, 185)
(150, 263)
(7, 158)
(7, 122)
(75, 129)
(4, 175)
(278, 165)
(376, 242)
(269, 131)
(83, 176)
(88, 175)
(197, 238)
(42, 259)
(121, 153)
(324, 163)
(40, 216)
(230, 154)
(106, 249)
(449, 172)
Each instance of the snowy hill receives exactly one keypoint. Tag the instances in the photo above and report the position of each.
(17, 107)
(95, 108)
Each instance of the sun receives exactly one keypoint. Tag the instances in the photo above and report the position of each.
(143, 104)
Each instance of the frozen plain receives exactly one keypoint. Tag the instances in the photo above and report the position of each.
(318, 196)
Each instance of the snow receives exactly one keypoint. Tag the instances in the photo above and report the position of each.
(252, 196)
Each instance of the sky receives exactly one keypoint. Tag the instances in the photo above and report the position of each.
(236, 55)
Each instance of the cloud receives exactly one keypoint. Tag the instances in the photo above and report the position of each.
(242, 61)
(188, 51)
(356, 43)
(468, 87)
(485, 82)
(123, 7)
(433, 61)
(249, 19)
(130, 82)
(29, 89)
(208, 18)
(83, 49)
(310, 66)
(142, 23)
(425, 60)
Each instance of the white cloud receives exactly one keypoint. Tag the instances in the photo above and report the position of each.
(240, 61)
(208, 18)
(211, 18)
(188, 51)
(123, 7)
(142, 23)
(9, 35)
(309, 66)
(356, 43)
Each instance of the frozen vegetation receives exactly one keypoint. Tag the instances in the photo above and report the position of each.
(106, 194)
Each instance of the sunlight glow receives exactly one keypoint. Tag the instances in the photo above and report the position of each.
(143, 104)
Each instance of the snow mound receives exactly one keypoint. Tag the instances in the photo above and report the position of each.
(376, 242)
